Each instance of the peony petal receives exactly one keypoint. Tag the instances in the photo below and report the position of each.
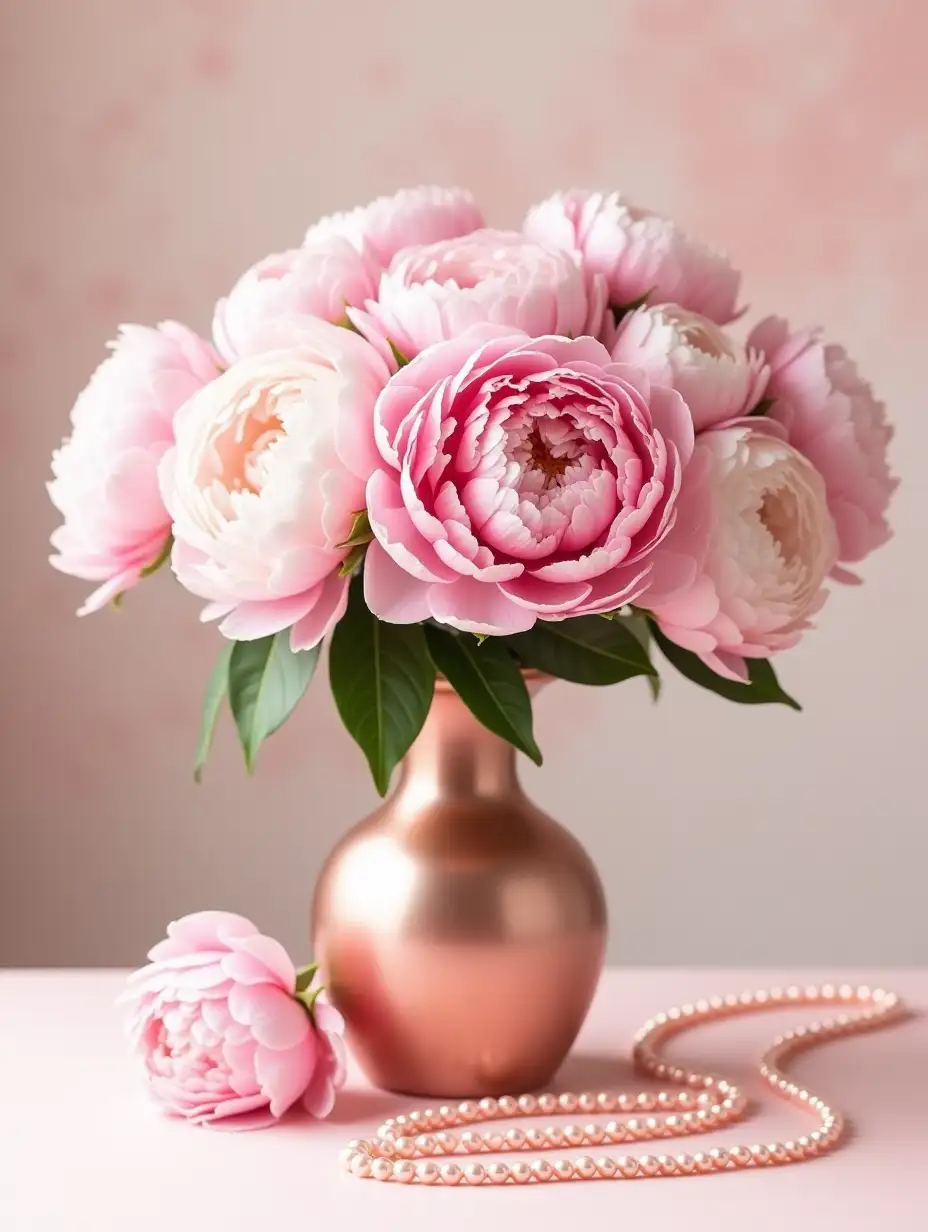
(257, 618)
(323, 616)
(478, 607)
(285, 1075)
(275, 959)
(203, 929)
(275, 1019)
(390, 592)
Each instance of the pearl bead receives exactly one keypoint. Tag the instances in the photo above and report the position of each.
(508, 1107)
(593, 1135)
(359, 1144)
(419, 1119)
(404, 1171)
(498, 1173)
(404, 1147)
(426, 1144)
(719, 1157)
(451, 1174)
(587, 1102)
(563, 1169)
(536, 1139)
(585, 1167)
(467, 1110)
(428, 1172)
(573, 1134)
(740, 1156)
(382, 1170)
(542, 1170)
(471, 1142)
(346, 1158)
(493, 1140)
(627, 1166)
(475, 1174)
(615, 1131)
(515, 1139)
(668, 1165)
(606, 1167)
(686, 1164)
(547, 1104)
(528, 1104)
(446, 1142)
(649, 1165)
(703, 1162)
(635, 1128)
(521, 1172)
(760, 1154)
(447, 1114)
(627, 1102)
(567, 1102)
(646, 1102)
(361, 1165)
(489, 1108)
(606, 1102)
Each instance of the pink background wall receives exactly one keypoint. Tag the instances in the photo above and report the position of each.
(151, 150)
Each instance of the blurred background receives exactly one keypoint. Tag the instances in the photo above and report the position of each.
(150, 151)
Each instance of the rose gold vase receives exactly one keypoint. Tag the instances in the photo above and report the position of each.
(460, 930)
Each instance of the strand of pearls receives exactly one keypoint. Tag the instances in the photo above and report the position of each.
(414, 1148)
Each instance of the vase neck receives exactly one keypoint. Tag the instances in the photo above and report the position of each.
(455, 756)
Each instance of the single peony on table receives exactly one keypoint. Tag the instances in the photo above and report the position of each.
(449, 448)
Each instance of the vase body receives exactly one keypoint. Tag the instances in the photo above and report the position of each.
(460, 930)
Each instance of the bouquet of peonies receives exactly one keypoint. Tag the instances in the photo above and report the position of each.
(451, 449)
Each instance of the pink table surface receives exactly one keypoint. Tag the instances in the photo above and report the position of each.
(80, 1147)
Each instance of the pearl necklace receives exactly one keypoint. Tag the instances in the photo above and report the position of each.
(706, 1103)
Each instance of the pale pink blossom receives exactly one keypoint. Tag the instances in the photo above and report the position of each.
(106, 473)
(221, 1033)
(266, 477)
(641, 254)
(411, 216)
(831, 415)
(436, 292)
(520, 478)
(754, 520)
(718, 377)
(319, 280)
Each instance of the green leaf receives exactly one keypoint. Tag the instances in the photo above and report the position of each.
(163, 555)
(763, 687)
(352, 561)
(762, 407)
(398, 355)
(638, 624)
(360, 532)
(382, 680)
(487, 679)
(586, 650)
(266, 680)
(217, 689)
(305, 976)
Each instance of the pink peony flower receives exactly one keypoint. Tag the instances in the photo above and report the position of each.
(754, 520)
(639, 253)
(106, 474)
(266, 476)
(718, 378)
(521, 478)
(436, 292)
(223, 1036)
(411, 216)
(830, 414)
(317, 281)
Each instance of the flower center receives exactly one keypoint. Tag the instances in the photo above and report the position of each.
(541, 458)
(244, 448)
(779, 515)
